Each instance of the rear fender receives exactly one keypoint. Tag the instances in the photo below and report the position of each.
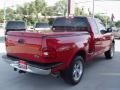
(81, 52)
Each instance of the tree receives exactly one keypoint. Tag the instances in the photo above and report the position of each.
(61, 7)
(40, 6)
(1, 16)
(50, 11)
(104, 19)
(30, 12)
(79, 12)
(10, 14)
(117, 24)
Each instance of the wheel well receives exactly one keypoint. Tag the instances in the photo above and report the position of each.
(82, 53)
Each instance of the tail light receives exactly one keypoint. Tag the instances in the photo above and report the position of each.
(49, 53)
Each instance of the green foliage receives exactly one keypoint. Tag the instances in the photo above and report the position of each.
(40, 6)
(79, 12)
(31, 12)
(10, 14)
(117, 24)
(61, 7)
(50, 11)
(1, 16)
(104, 19)
(51, 21)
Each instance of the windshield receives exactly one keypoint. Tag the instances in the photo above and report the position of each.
(15, 25)
(76, 23)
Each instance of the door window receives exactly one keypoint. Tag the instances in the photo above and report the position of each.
(94, 26)
(100, 25)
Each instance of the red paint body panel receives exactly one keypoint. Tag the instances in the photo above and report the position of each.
(63, 45)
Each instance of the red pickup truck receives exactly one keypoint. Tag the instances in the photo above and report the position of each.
(72, 42)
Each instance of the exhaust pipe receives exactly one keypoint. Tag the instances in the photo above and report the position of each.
(20, 71)
(15, 69)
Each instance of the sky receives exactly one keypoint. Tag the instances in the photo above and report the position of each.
(101, 6)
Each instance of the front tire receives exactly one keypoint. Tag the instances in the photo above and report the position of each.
(74, 73)
(110, 53)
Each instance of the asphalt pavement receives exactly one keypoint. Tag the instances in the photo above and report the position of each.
(100, 74)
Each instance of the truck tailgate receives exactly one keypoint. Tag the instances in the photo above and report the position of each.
(24, 45)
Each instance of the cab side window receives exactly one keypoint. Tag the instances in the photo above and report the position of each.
(94, 26)
(100, 25)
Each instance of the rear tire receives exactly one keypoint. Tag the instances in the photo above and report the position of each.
(74, 73)
(110, 53)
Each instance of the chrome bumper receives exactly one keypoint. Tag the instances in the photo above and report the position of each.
(29, 69)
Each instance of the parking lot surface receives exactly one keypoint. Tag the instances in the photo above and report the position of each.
(100, 74)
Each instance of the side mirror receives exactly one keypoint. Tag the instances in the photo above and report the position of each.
(109, 29)
(103, 31)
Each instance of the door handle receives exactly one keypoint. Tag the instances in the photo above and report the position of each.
(21, 41)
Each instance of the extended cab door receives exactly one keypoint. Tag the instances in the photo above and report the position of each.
(98, 37)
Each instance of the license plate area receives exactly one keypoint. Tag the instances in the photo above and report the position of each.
(22, 64)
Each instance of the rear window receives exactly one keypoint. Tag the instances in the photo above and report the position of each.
(71, 22)
(42, 25)
(15, 25)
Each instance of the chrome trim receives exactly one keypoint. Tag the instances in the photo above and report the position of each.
(77, 70)
(29, 69)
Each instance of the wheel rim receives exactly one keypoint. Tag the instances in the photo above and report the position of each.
(112, 51)
(77, 71)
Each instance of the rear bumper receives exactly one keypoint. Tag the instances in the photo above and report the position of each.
(31, 68)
